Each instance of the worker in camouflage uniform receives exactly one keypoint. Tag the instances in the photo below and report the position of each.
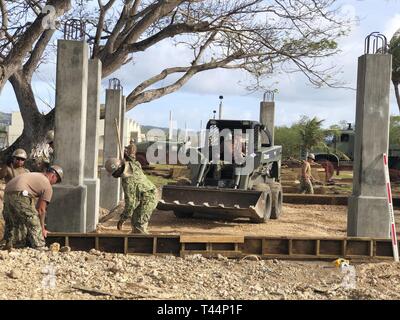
(139, 191)
(14, 168)
(25, 201)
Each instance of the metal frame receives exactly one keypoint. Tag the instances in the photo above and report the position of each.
(269, 96)
(301, 248)
(115, 84)
(372, 42)
(74, 29)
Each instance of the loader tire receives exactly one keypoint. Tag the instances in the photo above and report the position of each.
(277, 199)
(267, 196)
(183, 214)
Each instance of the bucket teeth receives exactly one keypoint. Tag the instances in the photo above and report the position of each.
(162, 201)
(206, 204)
(221, 205)
(236, 206)
(176, 202)
(191, 203)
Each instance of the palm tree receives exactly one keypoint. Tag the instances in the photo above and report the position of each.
(311, 133)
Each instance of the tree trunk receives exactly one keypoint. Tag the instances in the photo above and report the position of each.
(396, 90)
(36, 124)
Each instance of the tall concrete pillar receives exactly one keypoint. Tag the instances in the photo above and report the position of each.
(368, 214)
(92, 145)
(122, 131)
(123, 122)
(67, 210)
(267, 118)
(109, 186)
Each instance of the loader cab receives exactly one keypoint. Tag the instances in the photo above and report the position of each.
(228, 143)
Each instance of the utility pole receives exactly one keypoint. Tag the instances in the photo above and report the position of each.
(220, 107)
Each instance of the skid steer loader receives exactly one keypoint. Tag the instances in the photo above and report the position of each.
(249, 188)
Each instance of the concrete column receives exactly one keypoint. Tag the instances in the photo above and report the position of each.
(267, 118)
(368, 214)
(122, 132)
(67, 210)
(109, 186)
(123, 122)
(92, 145)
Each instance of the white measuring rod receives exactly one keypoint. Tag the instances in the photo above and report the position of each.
(391, 212)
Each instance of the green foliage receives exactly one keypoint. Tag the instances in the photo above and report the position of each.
(394, 49)
(289, 139)
(311, 133)
(394, 130)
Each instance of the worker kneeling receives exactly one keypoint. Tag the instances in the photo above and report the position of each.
(140, 192)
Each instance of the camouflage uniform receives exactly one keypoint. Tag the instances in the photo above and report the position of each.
(22, 213)
(306, 186)
(140, 195)
(18, 234)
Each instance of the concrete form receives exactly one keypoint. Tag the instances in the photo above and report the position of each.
(109, 186)
(92, 145)
(67, 210)
(368, 214)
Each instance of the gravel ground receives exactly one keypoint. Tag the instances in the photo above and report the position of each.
(31, 274)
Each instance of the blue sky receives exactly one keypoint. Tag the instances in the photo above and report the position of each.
(195, 102)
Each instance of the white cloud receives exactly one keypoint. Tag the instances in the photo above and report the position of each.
(392, 26)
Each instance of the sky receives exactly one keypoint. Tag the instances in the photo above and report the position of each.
(193, 104)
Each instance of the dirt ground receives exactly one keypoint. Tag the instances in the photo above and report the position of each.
(31, 274)
(296, 220)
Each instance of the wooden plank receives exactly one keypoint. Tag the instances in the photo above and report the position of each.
(211, 239)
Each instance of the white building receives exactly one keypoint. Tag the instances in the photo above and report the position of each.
(132, 130)
(16, 127)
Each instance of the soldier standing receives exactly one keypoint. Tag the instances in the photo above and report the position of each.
(306, 179)
(16, 167)
(21, 206)
(8, 172)
(139, 191)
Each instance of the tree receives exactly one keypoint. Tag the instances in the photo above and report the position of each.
(311, 133)
(261, 37)
(394, 131)
(289, 139)
(394, 49)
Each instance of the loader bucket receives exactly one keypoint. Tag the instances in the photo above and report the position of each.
(229, 203)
